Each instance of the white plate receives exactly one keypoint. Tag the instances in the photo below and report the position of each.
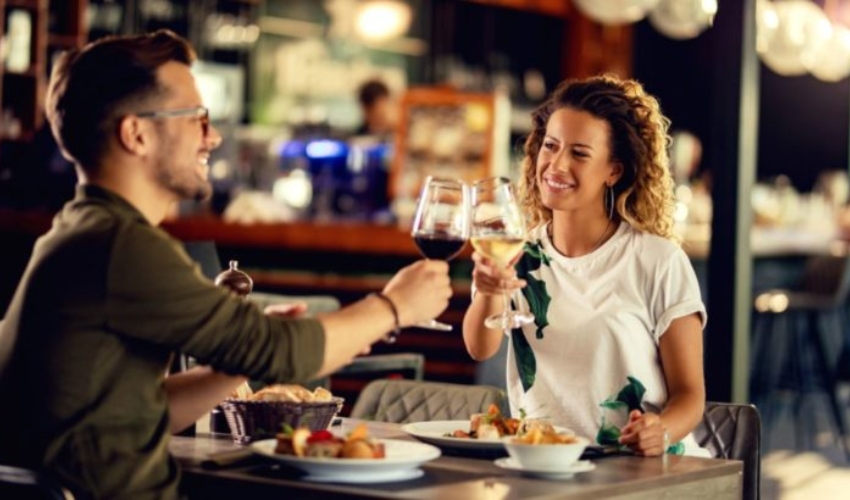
(434, 432)
(564, 473)
(402, 457)
(361, 478)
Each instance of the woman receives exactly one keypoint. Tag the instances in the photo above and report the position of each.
(615, 351)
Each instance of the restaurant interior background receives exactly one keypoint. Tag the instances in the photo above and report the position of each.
(307, 208)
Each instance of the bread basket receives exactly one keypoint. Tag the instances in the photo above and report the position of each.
(255, 420)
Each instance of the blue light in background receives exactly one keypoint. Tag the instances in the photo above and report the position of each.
(292, 149)
(324, 149)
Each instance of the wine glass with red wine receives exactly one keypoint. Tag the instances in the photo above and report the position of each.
(441, 225)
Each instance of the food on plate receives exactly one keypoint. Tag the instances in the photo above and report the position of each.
(303, 442)
(527, 425)
(540, 435)
(291, 393)
(490, 425)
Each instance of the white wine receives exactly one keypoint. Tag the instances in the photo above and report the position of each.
(501, 249)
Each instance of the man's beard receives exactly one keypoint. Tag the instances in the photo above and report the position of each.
(190, 187)
(183, 181)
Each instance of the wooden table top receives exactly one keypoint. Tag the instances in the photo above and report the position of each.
(460, 477)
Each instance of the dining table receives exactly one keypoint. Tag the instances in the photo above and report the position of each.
(463, 474)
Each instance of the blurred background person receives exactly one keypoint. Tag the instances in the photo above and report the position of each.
(378, 107)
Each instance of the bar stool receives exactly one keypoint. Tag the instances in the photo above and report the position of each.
(791, 328)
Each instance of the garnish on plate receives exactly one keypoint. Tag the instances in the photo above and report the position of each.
(303, 442)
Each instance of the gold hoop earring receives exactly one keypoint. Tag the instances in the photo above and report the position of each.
(610, 193)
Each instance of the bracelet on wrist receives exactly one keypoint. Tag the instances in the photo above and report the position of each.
(392, 336)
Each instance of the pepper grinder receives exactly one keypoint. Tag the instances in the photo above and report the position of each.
(241, 284)
(236, 280)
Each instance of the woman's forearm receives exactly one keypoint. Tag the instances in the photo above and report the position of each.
(683, 413)
(195, 392)
(482, 342)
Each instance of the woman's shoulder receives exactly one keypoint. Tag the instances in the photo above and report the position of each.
(653, 251)
(652, 243)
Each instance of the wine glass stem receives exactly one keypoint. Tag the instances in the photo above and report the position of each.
(506, 299)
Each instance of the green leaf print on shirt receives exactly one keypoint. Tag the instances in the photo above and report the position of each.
(629, 398)
(538, 302)
(536, 254)
(535, 292)
(526, 364)
(632, 394)
(618, 407)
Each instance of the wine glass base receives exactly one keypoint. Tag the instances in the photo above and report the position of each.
(434, 325)
(509, 321)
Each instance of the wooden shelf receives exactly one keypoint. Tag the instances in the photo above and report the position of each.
(556, 8)
(25, 136)
(65, 41)
(31, 72)
(345, 237)
(24, 92)
(26, 4)
(328, 283)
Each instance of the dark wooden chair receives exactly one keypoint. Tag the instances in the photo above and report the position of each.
(733, 431)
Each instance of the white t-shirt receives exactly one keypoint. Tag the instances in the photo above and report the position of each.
(592, 353)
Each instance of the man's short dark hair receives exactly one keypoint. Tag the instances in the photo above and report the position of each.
(372, 90)
(91, 88)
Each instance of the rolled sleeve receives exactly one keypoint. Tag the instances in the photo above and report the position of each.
(158, 295)
(677, 294)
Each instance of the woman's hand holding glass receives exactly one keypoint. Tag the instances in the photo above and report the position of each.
(498, 234)
(490, 278)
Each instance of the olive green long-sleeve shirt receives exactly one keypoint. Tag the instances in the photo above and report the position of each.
(105, 299)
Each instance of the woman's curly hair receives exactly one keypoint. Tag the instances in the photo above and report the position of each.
(639, 140)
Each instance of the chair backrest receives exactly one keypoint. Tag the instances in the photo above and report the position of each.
(733, 431)
(828, 276)
(403, 401)
(25, 484)
(205, 253)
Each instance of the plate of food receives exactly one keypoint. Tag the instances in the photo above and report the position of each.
(356, 458)
(442, 433)
(483, 431)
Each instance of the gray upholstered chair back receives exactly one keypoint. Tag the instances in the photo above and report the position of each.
(24, 484)
(733, 431)
(403, 401)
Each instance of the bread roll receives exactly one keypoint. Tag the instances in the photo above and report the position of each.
(291, 393)
(244, 391)
(283, 392)
(322, 394)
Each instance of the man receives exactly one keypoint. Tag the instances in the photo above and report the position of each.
(377, 107)
(107, 296)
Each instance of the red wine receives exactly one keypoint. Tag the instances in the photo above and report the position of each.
(438, 247)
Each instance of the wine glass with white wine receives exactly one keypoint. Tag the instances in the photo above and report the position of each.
(441, 225)
(498, 233)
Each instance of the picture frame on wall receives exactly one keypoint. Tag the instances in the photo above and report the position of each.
(443, 132)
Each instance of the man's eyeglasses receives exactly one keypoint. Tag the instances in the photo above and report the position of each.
(199, 112)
